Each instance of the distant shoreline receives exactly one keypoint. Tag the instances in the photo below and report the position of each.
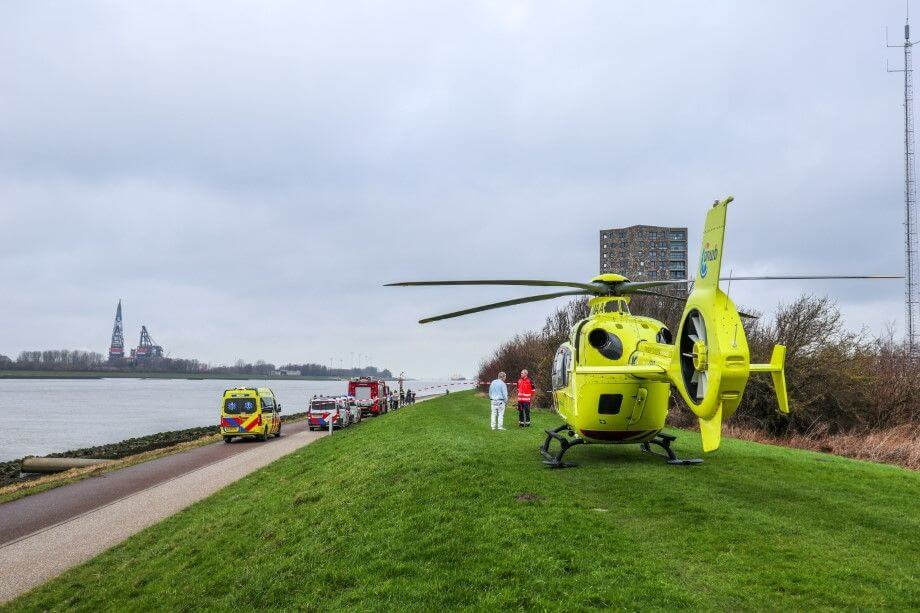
(93, 374)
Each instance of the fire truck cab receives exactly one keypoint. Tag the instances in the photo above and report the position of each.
(370, 395)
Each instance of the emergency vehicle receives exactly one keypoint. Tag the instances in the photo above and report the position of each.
(369, 394)
(354, 409)
(322, 409)
(250, 412)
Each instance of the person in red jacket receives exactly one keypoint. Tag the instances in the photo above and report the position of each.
(525, 397)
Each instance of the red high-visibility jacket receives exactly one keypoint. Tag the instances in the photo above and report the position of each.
(525, 390)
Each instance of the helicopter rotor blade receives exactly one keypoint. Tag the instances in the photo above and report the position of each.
(701, 386)
(808, 277)
(699, 327)
(647, 292)
(633, 287)
(504, 303)
(587, 287)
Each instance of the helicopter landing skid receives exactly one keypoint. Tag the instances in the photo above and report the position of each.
(565, 443)
(664, 441)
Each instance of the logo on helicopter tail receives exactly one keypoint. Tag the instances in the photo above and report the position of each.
(708, 255)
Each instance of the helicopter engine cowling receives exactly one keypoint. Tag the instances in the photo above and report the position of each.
(607, 343)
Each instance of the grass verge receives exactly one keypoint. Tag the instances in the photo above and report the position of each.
(426, 508)
(142, 374)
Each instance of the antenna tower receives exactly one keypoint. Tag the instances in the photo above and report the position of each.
(911, 263)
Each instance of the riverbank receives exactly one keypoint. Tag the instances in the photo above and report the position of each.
(133, 374)
(130, 448)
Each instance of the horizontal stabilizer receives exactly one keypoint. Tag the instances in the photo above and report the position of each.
(777, 370)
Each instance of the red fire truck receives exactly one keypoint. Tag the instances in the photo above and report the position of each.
(369, 394)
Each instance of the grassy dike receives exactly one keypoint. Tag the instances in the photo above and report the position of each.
(143, 374)
(426, 508)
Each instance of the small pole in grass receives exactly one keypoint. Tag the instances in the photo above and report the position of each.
(330, 423)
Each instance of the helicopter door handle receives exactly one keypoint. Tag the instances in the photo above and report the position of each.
(638, 405)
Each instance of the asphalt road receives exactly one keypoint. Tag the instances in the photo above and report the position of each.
(24, 516)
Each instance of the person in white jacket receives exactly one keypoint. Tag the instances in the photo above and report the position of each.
(498, 395)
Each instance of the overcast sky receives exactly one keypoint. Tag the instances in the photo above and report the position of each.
(246, 175)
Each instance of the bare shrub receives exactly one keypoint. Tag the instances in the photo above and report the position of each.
(837, 379)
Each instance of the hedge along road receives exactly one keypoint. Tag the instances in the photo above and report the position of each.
(45, 534)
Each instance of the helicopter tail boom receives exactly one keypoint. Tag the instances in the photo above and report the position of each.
(637, 370)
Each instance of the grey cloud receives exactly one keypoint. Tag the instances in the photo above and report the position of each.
(247, 176)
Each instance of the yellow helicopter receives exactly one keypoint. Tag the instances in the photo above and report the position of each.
(612, 380)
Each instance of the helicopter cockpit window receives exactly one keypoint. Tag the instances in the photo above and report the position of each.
(616, 306)
(561, 367)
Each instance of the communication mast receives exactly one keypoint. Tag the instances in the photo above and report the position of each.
(117, 346)
(911, 263)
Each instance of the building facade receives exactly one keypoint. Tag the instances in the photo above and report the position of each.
(645, 253)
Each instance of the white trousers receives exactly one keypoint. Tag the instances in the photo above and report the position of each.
(498, 414)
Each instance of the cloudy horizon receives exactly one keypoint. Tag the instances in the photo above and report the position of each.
(247, 176)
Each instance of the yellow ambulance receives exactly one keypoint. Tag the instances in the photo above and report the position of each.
(250, 411)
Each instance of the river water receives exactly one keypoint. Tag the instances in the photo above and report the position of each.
(42, 416)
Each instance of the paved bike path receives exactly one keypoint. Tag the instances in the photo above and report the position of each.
(45, 534)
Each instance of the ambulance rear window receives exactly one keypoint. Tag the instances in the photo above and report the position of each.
(233, 406)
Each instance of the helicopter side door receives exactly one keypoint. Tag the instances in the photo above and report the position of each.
(561, 380)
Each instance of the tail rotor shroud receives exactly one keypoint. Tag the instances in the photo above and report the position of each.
(711, 361)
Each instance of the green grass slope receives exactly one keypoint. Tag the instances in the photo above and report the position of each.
(429, 509)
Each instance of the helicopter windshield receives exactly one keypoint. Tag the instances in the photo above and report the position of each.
(616, 306)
